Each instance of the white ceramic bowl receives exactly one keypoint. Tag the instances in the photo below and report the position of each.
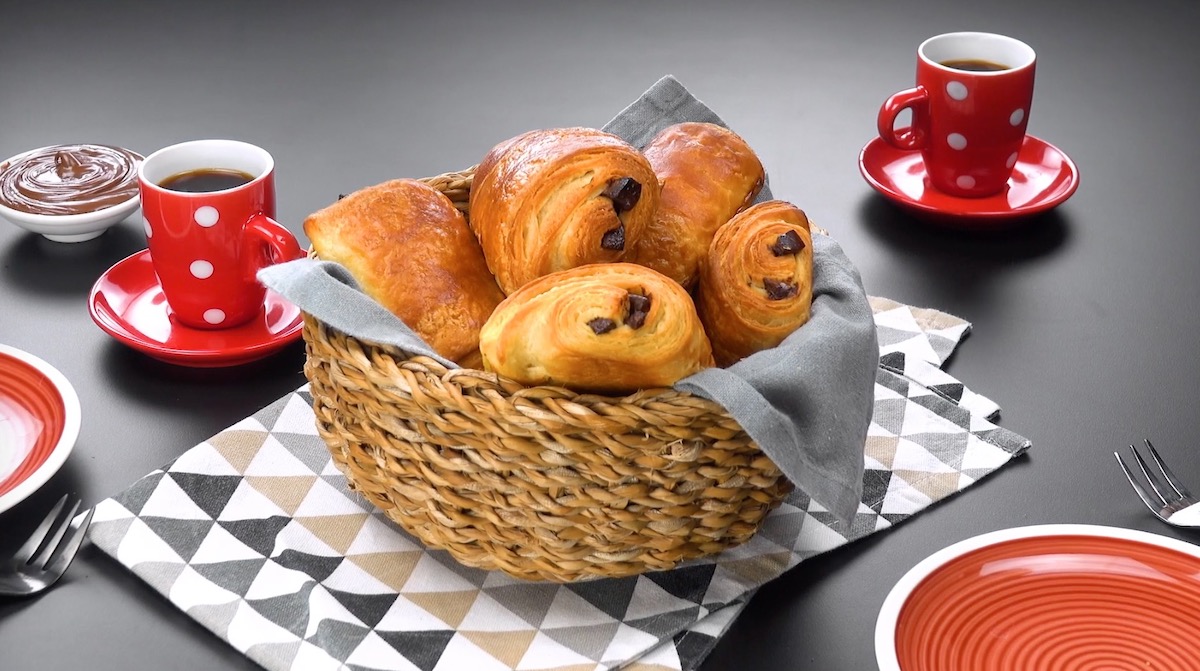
(1046, 597)
(39, 423)
(69, 227)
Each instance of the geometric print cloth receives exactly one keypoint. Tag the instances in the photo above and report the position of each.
(255, 535)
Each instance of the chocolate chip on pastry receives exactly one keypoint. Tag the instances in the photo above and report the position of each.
(708, 174)
(614, 239)
(609, 328)
(554, 199)
(788, 243)
(624, 193)
(638, 308)
(778, 290)
(601, 325)
(750, 297)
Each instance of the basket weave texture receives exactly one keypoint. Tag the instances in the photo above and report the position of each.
(541, 483)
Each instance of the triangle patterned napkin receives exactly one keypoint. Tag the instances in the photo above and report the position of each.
(255, 535)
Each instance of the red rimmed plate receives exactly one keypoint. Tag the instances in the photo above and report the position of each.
(39, 422)
(1059, 597)
(128, 304)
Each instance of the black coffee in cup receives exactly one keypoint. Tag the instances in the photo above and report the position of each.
(974, 65)
(203, 180)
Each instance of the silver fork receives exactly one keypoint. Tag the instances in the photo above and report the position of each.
(59, 538)
(1170, 501)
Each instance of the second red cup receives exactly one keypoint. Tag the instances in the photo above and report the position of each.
(209, 208)
(970, 108)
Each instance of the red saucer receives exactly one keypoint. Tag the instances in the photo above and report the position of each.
(128, 304)
(1042, 178)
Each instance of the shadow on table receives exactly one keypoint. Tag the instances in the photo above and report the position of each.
(47, 268)
(968, 272)
(928, 244)
(220, 393)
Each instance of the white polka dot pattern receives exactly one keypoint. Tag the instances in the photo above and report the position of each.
(1012, 160)
(965, 182)
(1016, 117)
(201, 269)
(956, 90)
(206, 216)
(956, 141)
(146, 225)
(214, 316)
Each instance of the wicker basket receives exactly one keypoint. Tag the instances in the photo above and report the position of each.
(538, 482)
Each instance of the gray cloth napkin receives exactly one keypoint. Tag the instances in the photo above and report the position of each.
(807, 403)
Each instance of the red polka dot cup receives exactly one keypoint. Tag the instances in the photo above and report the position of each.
(207, 245)
(969, 110)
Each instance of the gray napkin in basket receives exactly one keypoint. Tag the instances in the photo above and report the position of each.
(807, 403)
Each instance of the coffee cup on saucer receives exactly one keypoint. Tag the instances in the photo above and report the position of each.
(970, 108)
(209, 208)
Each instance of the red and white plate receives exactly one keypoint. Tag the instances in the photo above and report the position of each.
(1058, 597)
(39, 422)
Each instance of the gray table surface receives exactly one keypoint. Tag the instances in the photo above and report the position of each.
(1085, 326)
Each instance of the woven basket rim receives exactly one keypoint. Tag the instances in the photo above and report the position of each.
(515, 388)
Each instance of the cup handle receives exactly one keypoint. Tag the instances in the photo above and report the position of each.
(277, 244)
(913, 137)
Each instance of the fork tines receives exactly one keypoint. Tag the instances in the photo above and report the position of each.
(48, 538)
(1159, 479)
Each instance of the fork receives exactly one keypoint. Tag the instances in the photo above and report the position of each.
(59, 539)
(1171, 502)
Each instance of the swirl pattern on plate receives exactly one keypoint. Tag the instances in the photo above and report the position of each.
(1056, 603)
(32, 419)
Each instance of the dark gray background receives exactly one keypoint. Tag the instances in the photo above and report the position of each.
(1085, 324)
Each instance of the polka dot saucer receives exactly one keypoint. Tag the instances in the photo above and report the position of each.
(128, 304)
(1042, 178)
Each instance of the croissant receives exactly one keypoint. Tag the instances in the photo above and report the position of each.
(411, 250)
(554, 199)
(609, 328)
(708, 174)
(755, 284)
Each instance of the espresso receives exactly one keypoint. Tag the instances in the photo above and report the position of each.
(974, 65)
(206, 179)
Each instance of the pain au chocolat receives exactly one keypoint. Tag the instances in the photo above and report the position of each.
(756, 280)
(554, 199)
(708, 174)
(411, 250)
(608, 328)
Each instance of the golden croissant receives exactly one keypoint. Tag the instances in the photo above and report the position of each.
(608, 328)
(558, 198)
(412, 251)
(756, 280)
(708, 174)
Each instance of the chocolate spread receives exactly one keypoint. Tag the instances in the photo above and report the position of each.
(69, 179)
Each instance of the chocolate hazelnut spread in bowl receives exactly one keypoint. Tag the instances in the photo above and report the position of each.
(69, 192)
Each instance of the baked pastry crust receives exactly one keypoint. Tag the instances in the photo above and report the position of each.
(411, 250)
(708, 174)
(580, 328)
(756, 280)
(554, 199)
